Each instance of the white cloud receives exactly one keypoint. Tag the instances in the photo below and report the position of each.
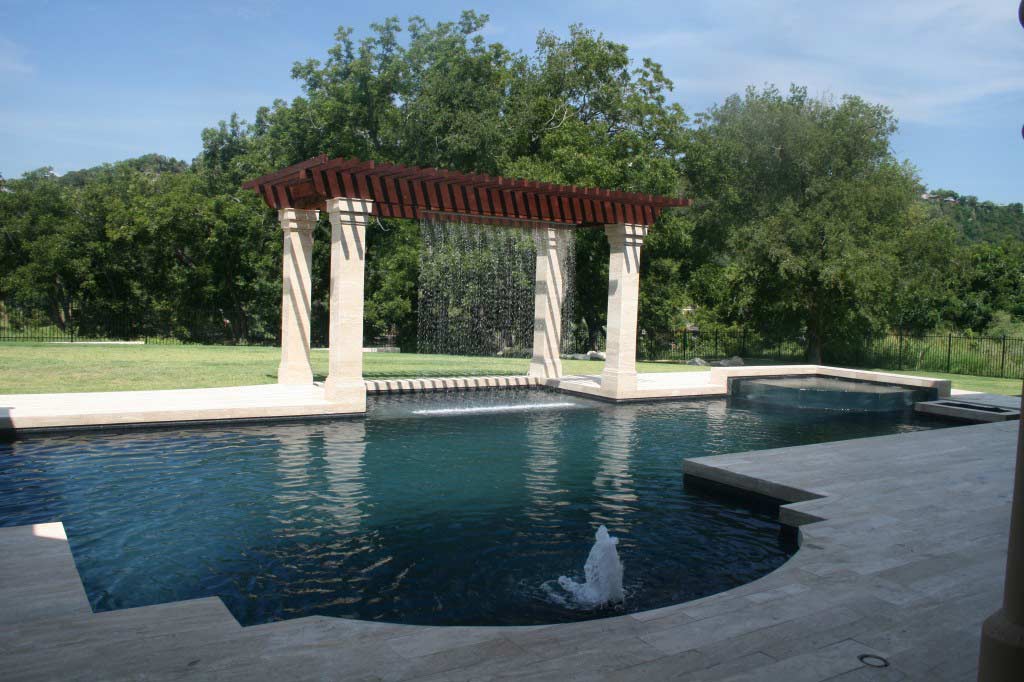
(927, 59)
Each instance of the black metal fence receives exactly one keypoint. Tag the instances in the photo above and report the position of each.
(1000, 356)
(203, 327)
(716, 344)
(950, 353)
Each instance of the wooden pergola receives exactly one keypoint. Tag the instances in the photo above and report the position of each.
(351, 191)
(406, 192)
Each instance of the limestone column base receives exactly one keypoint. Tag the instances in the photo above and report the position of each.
(618, 385)
(545, 366)
(545, 370)
(349, 393)
(294, 374)
(1002, 649)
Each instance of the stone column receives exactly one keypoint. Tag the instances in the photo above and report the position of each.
(549, 289)
(348, 260)
(1002, 634)
(296, 295)
(619, 377)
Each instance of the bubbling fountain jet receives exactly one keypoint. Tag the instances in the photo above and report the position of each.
(602, 572)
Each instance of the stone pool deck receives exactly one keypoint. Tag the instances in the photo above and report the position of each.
(715, 381)
(25, 412)
(906, 562)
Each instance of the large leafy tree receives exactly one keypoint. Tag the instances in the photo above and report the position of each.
(987, 279)
(591, 117)
(805, 215)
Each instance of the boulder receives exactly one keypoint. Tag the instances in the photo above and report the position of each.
(596, 355)
(734, 361)
(698, 362)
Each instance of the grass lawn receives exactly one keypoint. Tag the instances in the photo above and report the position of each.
(60, 368)
(967, 382)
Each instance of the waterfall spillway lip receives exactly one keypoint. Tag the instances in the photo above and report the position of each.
(485, 409)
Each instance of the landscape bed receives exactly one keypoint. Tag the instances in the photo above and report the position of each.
(459, 508)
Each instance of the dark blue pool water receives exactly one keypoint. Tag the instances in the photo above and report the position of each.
(441, 509)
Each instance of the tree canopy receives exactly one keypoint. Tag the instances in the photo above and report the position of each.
(804, 223)
(809, 222)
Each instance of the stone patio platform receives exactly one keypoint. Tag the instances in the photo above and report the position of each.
(26, 412)
(715, 381)
(906, 563)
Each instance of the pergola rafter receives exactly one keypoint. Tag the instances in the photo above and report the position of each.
(407, 192)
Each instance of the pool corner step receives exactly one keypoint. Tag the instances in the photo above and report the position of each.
(966, 409)
(38, 576)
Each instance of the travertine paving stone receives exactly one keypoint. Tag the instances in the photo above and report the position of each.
(905, 564)
(23, 412)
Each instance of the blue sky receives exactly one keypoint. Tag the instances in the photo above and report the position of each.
(88, 82)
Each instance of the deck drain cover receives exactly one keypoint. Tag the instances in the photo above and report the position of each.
(873, 661)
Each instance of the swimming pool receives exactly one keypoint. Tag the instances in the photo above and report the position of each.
(460, 508)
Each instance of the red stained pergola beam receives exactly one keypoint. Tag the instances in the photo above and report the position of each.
(407, 192)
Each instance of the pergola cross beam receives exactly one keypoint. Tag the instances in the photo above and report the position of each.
(408, 192)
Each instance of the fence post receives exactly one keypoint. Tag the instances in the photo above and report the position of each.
(716, 343)
(1002, 364)
(899, 351)
(743, 343)
(949, 354)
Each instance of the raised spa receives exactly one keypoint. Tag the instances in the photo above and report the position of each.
(828, 393)
(435, 509)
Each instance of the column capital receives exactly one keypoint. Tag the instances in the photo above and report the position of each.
(354, 207)
(622, 233)
(297, 219)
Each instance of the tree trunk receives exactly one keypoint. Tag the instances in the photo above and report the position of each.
(814, 346)
(593, 333)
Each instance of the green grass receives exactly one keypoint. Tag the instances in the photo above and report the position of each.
(967, 382)
(53, 368)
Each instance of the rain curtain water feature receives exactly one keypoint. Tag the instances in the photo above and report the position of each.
(476, 287)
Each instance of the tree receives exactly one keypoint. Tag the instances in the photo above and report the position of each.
(986, 279)
(588, 116)
(803, 211)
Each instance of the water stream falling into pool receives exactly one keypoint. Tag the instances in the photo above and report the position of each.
(476, 288)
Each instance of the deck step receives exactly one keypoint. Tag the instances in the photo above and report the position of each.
(38, 577)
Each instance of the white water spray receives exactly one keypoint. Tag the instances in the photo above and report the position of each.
(486, 409)
(603, 574)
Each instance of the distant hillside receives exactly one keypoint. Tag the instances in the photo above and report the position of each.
(149, 164)
(979, 221)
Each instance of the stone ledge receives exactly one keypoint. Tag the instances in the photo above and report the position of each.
(382, 386)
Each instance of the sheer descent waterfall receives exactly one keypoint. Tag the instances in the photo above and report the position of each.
(476, 287)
